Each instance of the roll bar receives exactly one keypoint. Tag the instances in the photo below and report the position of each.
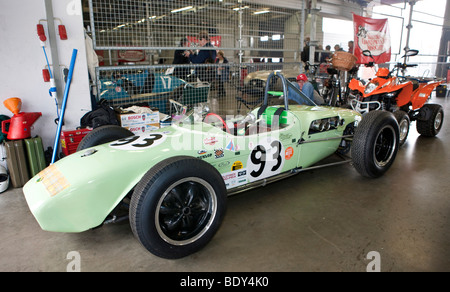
(286, 84)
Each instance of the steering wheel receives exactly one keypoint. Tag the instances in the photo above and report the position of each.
(210, 115)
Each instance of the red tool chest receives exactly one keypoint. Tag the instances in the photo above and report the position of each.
(71, 139)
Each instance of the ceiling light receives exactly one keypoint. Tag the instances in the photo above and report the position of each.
(276, 37)
(181, 9)
(240, 8)
(261, 12)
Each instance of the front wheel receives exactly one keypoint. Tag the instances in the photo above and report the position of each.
(178, 206)
(375, 143)
(404, 125)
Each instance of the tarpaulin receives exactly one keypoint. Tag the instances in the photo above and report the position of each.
(373, 35)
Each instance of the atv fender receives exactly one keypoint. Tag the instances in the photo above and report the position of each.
(356, 85)
(405, 94)
(421, 94)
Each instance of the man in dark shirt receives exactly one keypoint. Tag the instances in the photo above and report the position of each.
(204, 56)
(180, 58)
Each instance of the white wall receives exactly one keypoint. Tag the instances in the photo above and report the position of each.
(22, 60)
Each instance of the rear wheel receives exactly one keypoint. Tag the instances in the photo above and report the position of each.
(178, 206)
(375, 143)
(404, 124)
(431, 126)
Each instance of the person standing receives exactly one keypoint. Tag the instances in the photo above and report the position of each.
(337, 48)
(325, 58)
(304, 56)
(222, 74)
(179, 58)
(350, 47)
(205, 55)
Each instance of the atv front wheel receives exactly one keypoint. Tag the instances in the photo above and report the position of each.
(404, 124)
(375, 143)
(178, 206)
(431, 126)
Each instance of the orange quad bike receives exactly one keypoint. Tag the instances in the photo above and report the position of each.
(406, 97)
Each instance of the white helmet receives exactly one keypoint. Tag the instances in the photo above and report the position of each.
(4, 179)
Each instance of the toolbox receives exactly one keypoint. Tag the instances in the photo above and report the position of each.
(17, 163)
(35, 154)
(71, 139)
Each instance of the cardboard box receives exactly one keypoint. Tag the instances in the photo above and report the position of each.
(139, 129)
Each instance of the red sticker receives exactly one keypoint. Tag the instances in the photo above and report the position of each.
(289, 153)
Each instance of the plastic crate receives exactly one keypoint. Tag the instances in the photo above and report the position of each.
(194, 93)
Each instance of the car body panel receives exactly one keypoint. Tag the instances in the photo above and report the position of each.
(79, 191)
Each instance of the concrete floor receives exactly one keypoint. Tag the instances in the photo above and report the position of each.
(323, 220)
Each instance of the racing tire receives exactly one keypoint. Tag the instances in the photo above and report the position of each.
(103, 134)
(431, 126)
(375, 143)
(404, 124)
(178, 206)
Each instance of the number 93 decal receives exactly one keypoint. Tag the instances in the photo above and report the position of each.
(139, 142)
(265, 160)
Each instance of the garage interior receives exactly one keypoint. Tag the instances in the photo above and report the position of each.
(328, 219)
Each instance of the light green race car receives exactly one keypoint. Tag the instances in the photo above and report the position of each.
(172, 183)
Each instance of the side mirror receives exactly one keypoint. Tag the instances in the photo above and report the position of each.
(410, 53)
(367, 53)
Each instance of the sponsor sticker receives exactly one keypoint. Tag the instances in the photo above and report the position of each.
(210, 141)
(230, 146)
(288, 153)
(235, 178)
(219, 153)
(237, 165)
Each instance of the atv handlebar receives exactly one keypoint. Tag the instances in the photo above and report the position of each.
(404, 66)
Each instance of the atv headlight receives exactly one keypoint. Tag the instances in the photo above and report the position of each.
(371, 87)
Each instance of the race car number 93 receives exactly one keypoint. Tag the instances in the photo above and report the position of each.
(139, 142)
(265, 160)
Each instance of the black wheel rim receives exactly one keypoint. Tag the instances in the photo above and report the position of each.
(385, 144)
(185, 211)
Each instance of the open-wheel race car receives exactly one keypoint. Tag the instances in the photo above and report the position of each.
(176, 180)
(153, 87)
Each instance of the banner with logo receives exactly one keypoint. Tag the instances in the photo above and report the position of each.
(373, 35)
(216, 41)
